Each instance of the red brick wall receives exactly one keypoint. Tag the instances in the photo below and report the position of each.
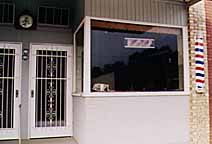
(208, 8)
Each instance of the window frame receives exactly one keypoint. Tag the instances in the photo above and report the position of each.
(87, 61)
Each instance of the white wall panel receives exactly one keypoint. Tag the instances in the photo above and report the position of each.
(136, 120)
(79, 117)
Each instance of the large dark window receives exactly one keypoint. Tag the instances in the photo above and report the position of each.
(135, 58)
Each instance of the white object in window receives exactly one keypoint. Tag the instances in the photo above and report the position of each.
(50, 91)
(9, 90)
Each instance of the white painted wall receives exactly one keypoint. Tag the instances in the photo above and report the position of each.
(79, 119)
(132, 120)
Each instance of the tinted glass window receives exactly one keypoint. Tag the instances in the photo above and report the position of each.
(11, 14)
(125, 60)
(64, 17)
(49, 15)
(1, 12)
(57, 19)
(79, 59)
(42, 15)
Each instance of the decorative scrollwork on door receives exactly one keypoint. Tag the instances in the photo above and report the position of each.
(51, 77)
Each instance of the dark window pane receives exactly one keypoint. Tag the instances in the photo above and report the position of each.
(1, 12)
(65, 17)
(10, 102)
(6, 50)
(11, 51)
(6, 61)
(11, 66)
(50, 16)
(144, 67)
(49, 52)
(42, 15)
(10, 17)
(6, 9)
(54, 53)
(58, 15)
(39, 52)
(4, 111)
(79, 59)
(2, 50)
(64, 53)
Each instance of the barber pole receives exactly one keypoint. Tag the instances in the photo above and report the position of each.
(199, 61)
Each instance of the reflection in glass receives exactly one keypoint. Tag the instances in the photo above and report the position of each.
(79, 59)
(123, 68)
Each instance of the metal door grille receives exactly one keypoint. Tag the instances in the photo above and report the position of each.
(7, 69)
(50, 89)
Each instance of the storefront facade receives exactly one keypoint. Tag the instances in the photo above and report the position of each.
(100, 71)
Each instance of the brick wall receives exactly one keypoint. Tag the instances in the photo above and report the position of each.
(199, 102)
(208, 7)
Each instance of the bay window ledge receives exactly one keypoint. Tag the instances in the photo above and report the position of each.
(131, 94)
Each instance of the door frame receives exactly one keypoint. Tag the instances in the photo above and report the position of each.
(14, 133)
(43, 132)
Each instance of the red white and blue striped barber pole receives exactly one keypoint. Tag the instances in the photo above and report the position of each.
(199, 62)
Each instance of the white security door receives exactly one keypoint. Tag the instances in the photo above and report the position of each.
(9, 90)
(51, 100)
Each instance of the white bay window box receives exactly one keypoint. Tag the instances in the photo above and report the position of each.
(123, 58)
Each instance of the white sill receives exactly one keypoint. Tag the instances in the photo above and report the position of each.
(131, 94)
(77, 94)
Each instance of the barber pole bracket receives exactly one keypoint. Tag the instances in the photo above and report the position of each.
(199, 64)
